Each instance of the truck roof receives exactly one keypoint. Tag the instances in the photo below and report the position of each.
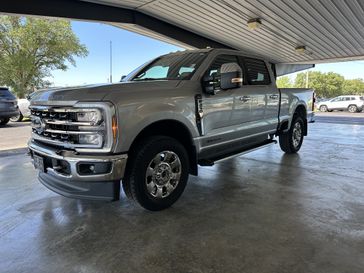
(232, 51)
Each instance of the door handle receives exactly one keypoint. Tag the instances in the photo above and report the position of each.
(244, 98)
(273, 97)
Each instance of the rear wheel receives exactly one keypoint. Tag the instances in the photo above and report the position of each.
(4, 121)
(17, 118)
(352, 108)
(323, 108)
(291, 141)
(157, 173)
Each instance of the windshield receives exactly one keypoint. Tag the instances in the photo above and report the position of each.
(6, 94)
(171, 67)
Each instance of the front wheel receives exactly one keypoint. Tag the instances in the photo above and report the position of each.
(323, 108)
(291, 141)
(157, 173)
(17, 118)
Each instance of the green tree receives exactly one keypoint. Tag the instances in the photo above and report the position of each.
(30, 48)
(284, 82)
(325, 84)
(353, 87)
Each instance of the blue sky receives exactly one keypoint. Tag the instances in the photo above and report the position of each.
(131, 50)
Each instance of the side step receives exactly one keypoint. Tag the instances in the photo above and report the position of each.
(212, 161)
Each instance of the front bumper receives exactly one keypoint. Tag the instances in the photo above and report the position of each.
(105, 186)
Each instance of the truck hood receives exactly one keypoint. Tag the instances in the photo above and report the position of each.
(71, 95)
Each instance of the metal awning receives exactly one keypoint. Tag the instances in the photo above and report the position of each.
(330, 31)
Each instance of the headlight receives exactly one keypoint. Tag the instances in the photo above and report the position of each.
(94, 139)
(93, 116)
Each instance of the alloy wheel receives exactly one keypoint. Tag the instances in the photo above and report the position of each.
(163, 174)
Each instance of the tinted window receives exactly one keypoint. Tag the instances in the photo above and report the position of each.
(347, 98)
(171, 67)
(256, 71)
(6, 94)
(215, 67)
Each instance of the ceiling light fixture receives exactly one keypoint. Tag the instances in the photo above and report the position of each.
(254, 24)
(300, 49)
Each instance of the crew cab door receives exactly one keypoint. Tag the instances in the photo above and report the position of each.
(217, 108)
(261, 94)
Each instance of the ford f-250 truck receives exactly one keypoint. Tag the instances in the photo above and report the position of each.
(154, 128)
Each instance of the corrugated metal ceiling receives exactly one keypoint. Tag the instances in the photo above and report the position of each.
(330, 30)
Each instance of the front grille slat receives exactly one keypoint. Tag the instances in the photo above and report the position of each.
(59, 127)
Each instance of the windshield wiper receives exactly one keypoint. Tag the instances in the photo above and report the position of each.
(149, 79)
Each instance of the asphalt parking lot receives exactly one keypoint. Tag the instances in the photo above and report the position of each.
(261, 212)
(14, 136)
(340, 117)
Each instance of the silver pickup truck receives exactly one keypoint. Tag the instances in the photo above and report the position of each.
(154, 128)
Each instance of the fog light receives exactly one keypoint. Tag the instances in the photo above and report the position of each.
(94, 168)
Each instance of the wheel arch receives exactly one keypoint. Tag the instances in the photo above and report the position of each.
(285, 124)
(174, 129)
(301, 111)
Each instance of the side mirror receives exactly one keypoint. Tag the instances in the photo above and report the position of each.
(231, 76)
(122, 78)
(211, 84)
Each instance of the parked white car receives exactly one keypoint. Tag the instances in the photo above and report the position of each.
(351, 103)
(24, 111)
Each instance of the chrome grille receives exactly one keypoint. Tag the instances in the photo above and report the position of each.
(59, 126)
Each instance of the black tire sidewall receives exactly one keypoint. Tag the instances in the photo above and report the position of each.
(145, 154)
(4, 121)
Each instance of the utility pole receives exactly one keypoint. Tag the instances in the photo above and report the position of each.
(307, 78)
(110, 61)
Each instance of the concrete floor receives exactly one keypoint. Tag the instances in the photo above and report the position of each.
(262, 212)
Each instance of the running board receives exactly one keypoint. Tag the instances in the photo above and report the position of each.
(212, 161)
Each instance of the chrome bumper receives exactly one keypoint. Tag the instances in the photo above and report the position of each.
(105, 186)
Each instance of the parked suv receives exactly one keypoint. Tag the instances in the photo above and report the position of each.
(8, 105)
(350, 103)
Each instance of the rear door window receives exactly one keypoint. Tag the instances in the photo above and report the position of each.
(256, 71)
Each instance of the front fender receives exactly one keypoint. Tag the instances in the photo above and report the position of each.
(133, 121)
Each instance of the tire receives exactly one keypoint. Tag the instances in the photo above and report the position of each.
(291, 141)
(17, 118)
(157, 173)
(323, 108)
(4, 121)
(353, 108)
